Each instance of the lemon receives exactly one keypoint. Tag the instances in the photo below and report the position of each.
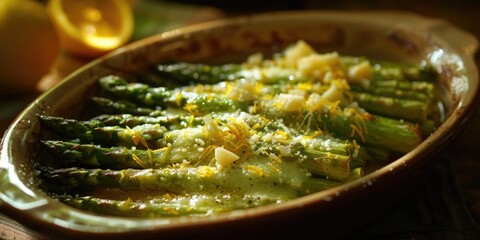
(28, 45)
(89, 28)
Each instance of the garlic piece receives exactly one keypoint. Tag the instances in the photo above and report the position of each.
(224, 157)
(294, 53)
(333, 93)
(360, 72)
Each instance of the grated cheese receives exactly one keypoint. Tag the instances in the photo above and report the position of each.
(290, 102)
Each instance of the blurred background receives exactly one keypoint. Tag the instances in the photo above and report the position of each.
(463, 13)
(445, 206)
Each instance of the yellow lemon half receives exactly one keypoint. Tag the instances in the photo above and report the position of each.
(90, 28)
(28, 45)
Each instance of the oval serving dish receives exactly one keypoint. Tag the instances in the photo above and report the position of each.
(397, 36)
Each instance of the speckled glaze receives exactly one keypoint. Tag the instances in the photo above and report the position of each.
(389, 35)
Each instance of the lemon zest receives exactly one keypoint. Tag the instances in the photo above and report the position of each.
(256, 170)
(205, 171)
(357, 131)
(191, 108)
(179, 98)
(137, 137)
(138, 160)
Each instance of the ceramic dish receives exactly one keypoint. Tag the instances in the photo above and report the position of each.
(388, 35)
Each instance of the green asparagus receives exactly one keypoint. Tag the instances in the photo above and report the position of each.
(411, 110)
(324, 156)
(422, 91)
(115, 157)
(347, 123)
(188, 73)
(170, 205)
(114, 107)
(188, 180)
(129, 120)
(94, 130)
(200, 139)
(158, 97)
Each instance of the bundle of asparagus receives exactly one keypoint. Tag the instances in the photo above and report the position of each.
(197, 139)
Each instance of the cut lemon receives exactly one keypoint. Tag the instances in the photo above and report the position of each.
(90, 28)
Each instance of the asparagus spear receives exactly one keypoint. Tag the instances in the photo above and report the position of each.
(321, 155)
(185, 179)
(187, 73)
(388, 71)
(70, 128)
(115, 107)
(320, 163)
(182, 205)
(137, 92)
(170, 121)
(114, 157)
(171, 205)
(147, 135)
(211, 74)
(131, 208)
(94, 130)
(149, 96)
(410, 110)
(419, 95)
(334, 166)
(395, 135)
